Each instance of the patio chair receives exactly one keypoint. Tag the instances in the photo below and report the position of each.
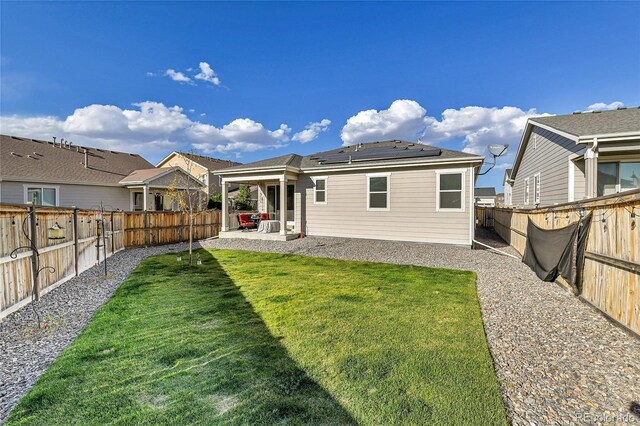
(264, 216)
(245, 221)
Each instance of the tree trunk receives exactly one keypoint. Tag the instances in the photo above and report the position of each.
(190, 240)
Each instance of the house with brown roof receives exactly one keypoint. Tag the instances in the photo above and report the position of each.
(388, 190)
(578, 156)
(200, 167)
(54, 173)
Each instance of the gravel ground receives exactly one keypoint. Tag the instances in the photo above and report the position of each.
(26, 351)
(558, 360)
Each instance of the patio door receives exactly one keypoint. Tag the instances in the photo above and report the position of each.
(273, 202)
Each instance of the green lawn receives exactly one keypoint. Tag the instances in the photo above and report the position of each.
(256, 338)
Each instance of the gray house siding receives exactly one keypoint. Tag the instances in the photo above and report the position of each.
(412, 214)
(81, 196)
(546, 153)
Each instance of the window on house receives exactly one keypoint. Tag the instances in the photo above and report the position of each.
(158, 202)
(618, 176)
(536, 188)
(138, 201)
(378, 192)
(450, 191)
(41, 196)
(320, 191)
(526, 191)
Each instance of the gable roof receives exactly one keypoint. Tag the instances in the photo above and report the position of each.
(417, 153)
(31, 160)
(616, 125)
(147, 176)
(485, 192)
(209, 163)
(283, 161)
(594, 123)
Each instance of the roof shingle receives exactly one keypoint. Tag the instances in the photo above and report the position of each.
(36, 160)
(595, 123)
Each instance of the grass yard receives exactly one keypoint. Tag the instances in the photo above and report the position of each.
(258, 338)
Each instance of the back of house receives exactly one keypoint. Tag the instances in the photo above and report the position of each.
(391, 190)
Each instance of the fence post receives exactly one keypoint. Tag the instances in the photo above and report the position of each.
(75, 240)
(113, 235)
(146, 228)
(34, 244)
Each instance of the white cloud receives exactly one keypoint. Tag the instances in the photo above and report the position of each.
(600, 106)
(177, 76)
(207, 74)
(312, 131)
(405, 119)
(475, 127)
(149, 127)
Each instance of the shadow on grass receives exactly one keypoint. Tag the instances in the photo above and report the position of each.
(178, 344)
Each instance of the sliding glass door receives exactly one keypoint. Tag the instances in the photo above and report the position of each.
(273, 202)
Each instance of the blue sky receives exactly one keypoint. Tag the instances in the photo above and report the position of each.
(101, 73)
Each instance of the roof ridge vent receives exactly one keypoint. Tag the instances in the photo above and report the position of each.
(621, 108)
(596, 112)
(577, 112)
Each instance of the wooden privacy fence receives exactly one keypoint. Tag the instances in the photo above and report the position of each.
(484, 216)
(69, 255)
(612, 260)
(157, 228)
(78, 249)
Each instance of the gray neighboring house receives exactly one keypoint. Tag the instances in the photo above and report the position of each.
(485, 196)
(508, 188)
(389, 190)
(60, 174)
(566, 158)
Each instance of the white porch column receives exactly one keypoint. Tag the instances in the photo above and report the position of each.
(283, 205)
(225, 206)
(145, 198)
(591, 170)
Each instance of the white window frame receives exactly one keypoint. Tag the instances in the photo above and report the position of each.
(26, 188)
(526, 191)
(378, 209)
(462, 172)
(133, 192)
(326, 192)
(536, 188)
(618, 163)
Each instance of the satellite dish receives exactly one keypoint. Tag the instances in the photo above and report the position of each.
(497, 150)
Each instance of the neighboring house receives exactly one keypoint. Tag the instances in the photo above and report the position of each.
(389, 190)
(200, 167)
(485, 197)
(158, 189)
(61, 174)
(500, 199)
(572, 157)
(508, 187)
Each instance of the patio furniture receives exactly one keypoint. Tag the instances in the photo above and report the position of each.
(264, 216)
(269, 226)
(245, 222)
